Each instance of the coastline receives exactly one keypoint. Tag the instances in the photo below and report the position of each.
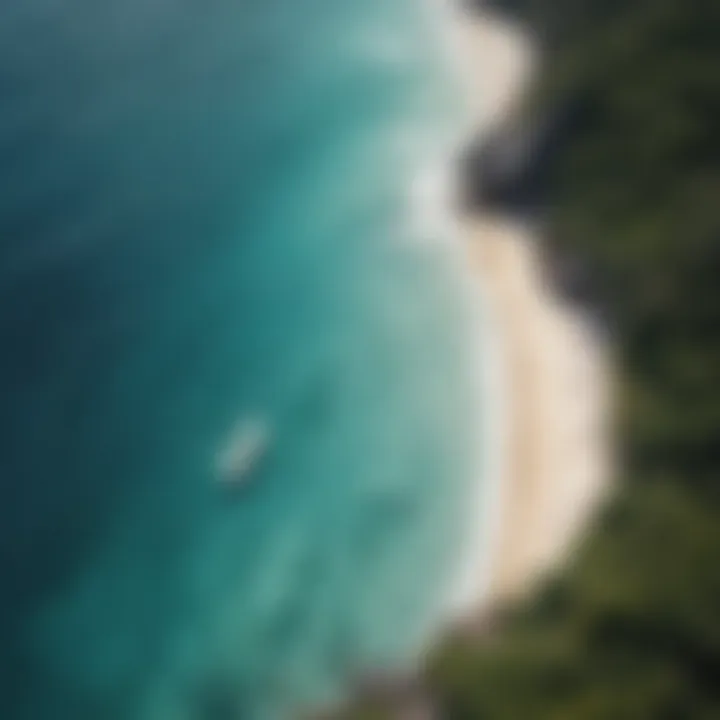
(605, 303)
(552, 454)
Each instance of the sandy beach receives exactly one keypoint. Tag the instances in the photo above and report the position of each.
(556, 455)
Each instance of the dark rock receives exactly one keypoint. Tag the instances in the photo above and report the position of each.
(510, 168)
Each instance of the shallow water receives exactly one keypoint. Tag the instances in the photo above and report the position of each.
(211, 213)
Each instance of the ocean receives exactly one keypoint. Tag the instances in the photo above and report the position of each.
(215, 216)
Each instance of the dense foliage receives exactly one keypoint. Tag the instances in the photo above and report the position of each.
(631, 629)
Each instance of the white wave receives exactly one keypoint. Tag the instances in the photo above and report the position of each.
(434, 220)
(471, 583)
(432, 193)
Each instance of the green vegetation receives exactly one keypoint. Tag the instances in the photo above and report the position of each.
(631, 629)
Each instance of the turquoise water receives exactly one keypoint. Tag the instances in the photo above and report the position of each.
(211, 213)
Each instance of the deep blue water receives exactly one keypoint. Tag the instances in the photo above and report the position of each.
(212, 212)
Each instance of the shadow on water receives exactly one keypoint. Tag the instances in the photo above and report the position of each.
(60, 486)
(219, 698)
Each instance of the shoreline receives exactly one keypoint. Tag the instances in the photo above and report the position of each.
(545, 385)
(549, 369)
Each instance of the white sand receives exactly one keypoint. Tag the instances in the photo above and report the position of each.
(555, 463)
